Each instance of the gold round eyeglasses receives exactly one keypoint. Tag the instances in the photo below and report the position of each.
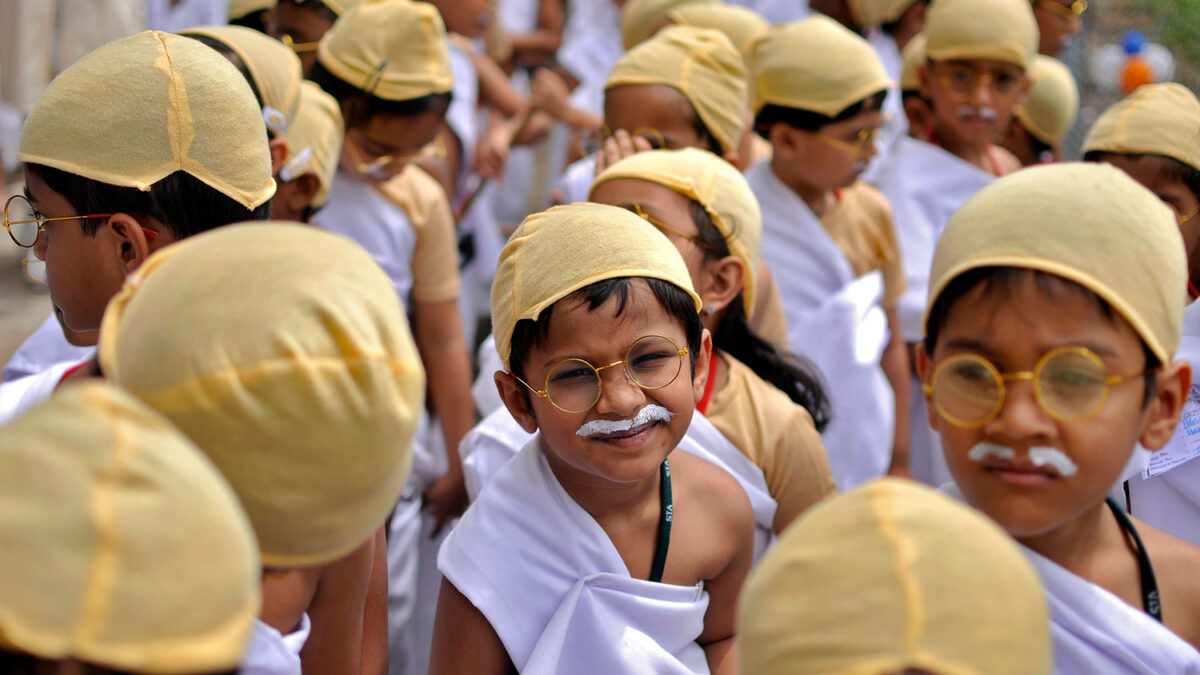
(574, 385)
(25, 225)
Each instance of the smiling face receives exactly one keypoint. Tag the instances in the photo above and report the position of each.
(973, 100)
(1014, 327)
(602, 336)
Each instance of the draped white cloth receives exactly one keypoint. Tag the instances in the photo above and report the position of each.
(836, 320)
(45, 347)
(562, 600)
(270, 653)
(21, 395)
(490, 445)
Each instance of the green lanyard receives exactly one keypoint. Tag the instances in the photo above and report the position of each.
(664, 524)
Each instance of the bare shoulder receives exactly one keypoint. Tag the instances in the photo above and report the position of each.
(711, 491)
(1175, 563)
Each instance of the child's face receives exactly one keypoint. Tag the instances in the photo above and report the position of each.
(973, 100)
(1156, 175)
(601, 337)
(304, 24)
(82, 272)
(657, 111)
(1014, 331)
(380, 147)
(832, 157)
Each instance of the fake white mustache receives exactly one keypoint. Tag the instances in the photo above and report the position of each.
(984, 111)
(650, 413)
(1038, 455)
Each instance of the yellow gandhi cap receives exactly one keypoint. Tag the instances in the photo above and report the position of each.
(123, 546)
(741, 25)
(315, 140)
(143, 107)
(716, 185)
(914, 56)
(700, 62)
(1005, 30)
(642, 18)
(554, 253)
(1049, 111)
(274, 68)
(292, 368)
(240, 8)
(875, 13)
(392, 49)
(1157, 119)
(1088, 223)
(815, 64)
(892, 576)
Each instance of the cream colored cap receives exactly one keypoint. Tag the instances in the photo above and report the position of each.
(554, 253)
(716, 185)
(292, 368)
(815, 64)
(741, 25)
(1005, 30)
(143, 107)
(875, 13)
(123, 546)
(392, 49)
(640, 19)
(1157, 119)
(240, 8)
(700, 62)
(1088, 223)
(891, 576)
(1053, 103)
(315, 140)
(275, 69)
(914, 57)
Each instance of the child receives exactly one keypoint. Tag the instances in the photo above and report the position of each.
(293, 369)
(301, 24)
(829, 239)
(917, 114)
(1040, 124)
(78, 165)
(1057, 21)
(935, 588)
(1055, 306)
(973, 80)
(124, 549)
(314, 145)
(756, 397)
(581, 285)
(1146, 136)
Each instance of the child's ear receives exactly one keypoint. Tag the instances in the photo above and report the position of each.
(516, 398)
(700, 372)
(130, 241)
(279, 153)
(1171, 390)
(925, 374)
(723, 282)
(925, 78)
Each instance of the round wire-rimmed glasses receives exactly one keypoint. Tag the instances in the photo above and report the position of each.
(1070, 384)
(574, 385)
(25, 233)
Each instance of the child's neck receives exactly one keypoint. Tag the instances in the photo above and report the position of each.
(819, 200)
(970, 152)
(603, 499)
(1078, 544)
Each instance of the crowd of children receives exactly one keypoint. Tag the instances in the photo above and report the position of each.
(482, 336)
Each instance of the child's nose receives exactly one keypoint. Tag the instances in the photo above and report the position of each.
(1022, 418)
(619, 394)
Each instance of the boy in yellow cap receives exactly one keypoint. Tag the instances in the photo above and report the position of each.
(302, 384)
(1057, 20)
(818, 89)
(890, 25)
(974, 78)
(125, 549)
(301, 24)
(100, 196)
(903, 607)
(1040, 124)
(1146, 136)
(601, 589)
(1055, 307)
(314, 148)
(917, 114)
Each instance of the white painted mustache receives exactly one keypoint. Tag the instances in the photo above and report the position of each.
(985, 112)
(1039, 456)
(650, 413)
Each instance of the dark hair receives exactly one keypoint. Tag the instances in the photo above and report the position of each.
(256, 20)
(1041, 149)
(316, 6)
(794, 375)
(1173, 168)
(892, 26)
(808, 120)
(710, 141)
(361, 106)
(181, 202)
(530, 333)
(1003, 281)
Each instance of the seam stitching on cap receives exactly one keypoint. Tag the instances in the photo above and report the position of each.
(889, 528)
